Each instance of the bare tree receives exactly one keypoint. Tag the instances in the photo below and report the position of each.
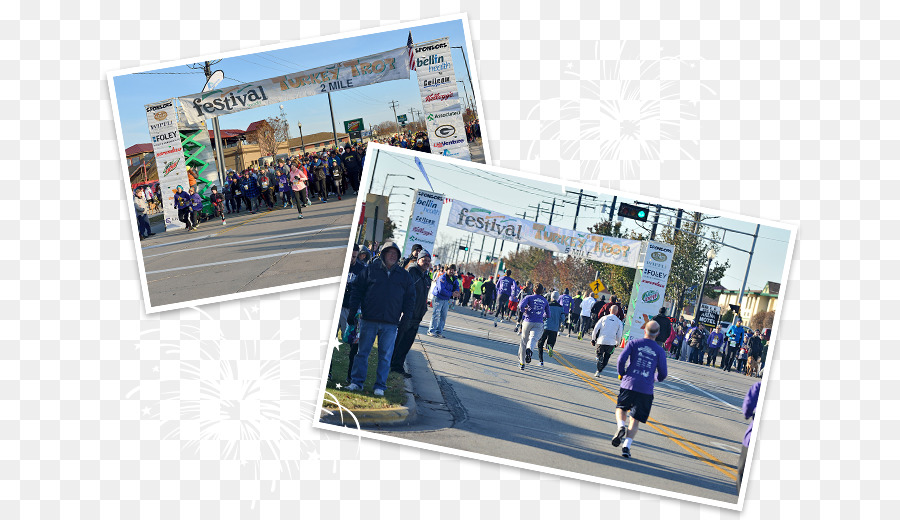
(270, 135)
(385, 127)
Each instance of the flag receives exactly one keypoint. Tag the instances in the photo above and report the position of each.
(409, 49)
(422, 168)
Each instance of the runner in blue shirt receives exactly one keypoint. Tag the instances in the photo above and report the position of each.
(534, 312)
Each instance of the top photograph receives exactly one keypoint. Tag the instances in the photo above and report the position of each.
(243, 168)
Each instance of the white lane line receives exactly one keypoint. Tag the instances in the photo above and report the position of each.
(194, 239)
(705, 392)
(725, 447)
(247, 241)
(298, 251)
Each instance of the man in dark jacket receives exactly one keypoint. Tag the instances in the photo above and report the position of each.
(665, 327)
(406, 335)
(384, 292)
(353, 163)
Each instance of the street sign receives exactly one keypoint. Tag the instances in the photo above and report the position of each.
(709, 315)
(597, 286)
(401, 118)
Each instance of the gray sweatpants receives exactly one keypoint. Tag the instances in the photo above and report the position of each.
(531, 333)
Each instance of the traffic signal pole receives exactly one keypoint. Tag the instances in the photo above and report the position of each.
(749, 261)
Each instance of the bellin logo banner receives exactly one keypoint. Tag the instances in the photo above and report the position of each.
(440, 98)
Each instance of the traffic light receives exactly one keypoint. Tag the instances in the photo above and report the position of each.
(463, 248)
(736, 309)
(633, 212)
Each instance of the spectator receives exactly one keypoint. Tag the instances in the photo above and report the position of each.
(385, 294)
(407, 333)
(142, 212)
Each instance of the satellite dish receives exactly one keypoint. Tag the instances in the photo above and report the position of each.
(213, 80)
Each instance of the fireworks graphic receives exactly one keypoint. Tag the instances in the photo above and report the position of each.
(250, 401)
(626, 110)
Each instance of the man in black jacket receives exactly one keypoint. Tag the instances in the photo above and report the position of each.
(406, 335)
(384, 292)
(665, 327)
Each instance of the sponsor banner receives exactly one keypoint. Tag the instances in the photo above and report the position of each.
(423, 223)
(162, 122)
(354, 125)
(459, 152)
(618, 251)
(649, 290)
(440, 99)
(384, 66)
(432, 101)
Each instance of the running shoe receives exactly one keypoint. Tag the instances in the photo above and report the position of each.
(597, 374)
(380, 393)
(495, 323)
(299, 217)
(542, 363)
(352, 387)
(550, 350)
(516, 330)
(626, 452)
(528, 355)
(223, 222)
(579, 336)
(619, 436)
(521, 365)
(429, 333)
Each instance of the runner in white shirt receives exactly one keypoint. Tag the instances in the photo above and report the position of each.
(586, 305)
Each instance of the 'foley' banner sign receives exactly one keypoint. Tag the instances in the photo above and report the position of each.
(618, 251)
(649, 289)
(169, 156)
(384, 66)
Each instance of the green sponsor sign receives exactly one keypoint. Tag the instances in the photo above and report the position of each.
(401, 118)
(354, 125)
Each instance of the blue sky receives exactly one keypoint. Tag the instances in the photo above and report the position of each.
(133, 91)
(513, 195)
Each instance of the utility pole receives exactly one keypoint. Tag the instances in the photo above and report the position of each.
(333, 130)
(578, 205)
(217, 132)
(749, 260)
(524, 216)
(612, 209)
(393, 105)
(655, 222)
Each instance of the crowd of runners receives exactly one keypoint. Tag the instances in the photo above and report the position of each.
(387, 297)
(291, 183)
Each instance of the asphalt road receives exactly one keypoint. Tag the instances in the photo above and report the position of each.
(268, 249)
(472, 396)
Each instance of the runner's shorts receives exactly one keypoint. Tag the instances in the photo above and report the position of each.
(639, 403)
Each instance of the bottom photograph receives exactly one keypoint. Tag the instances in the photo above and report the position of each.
(585, 333)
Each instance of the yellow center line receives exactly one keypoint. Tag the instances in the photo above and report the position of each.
(666, 431)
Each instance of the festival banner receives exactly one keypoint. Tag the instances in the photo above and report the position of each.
(169, 156)
(618, 251)
(359, 72)
(649, 289)
(423, 223)
(440, 99)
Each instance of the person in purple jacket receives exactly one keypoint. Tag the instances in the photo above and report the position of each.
(647, 358)
(196, 207)
(506, 287)
(749, 413)
(534, 311)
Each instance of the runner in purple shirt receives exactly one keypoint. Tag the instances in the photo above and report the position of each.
(646, 364)
(750, 402)
(534, 311)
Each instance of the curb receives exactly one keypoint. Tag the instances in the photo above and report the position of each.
(368, 417)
